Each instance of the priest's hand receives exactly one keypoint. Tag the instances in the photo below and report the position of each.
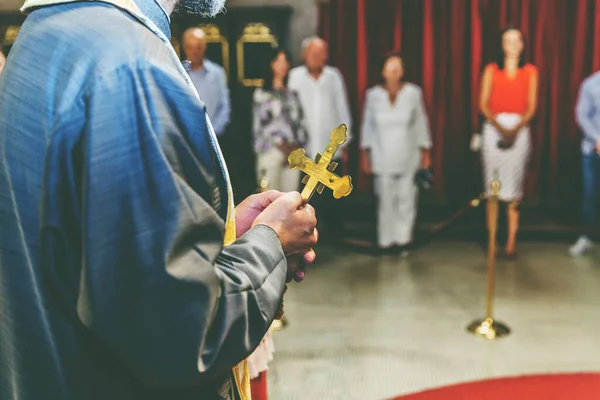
(247, 211)
(294, 223)
(598, 146)
(297, 266)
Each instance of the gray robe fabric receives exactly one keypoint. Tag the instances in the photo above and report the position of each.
(113, 280)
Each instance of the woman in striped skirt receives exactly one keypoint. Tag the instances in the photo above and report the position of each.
(508, 102)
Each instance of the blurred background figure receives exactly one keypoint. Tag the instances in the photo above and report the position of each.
(588, 117)
(208, 78)
(278, 129)
(2, 61)
(324, 98)
(396, 143)
(278, 125)
(508, 102)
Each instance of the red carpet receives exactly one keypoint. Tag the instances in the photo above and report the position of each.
(543, 387)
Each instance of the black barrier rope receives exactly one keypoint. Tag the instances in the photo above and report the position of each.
(425, 238)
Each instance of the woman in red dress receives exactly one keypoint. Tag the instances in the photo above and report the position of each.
(508, 102)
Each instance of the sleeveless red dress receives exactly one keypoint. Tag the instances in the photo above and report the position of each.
(509, 99)
(510, 94)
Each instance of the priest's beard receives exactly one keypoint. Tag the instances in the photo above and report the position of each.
(206, 8)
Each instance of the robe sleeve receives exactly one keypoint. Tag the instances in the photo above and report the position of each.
(421, 123)
(157, 287)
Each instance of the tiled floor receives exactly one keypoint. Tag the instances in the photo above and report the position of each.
(366, 327)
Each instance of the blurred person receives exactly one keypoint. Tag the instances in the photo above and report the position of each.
(279, 126)
(208, 78)
(125, 270)
(324, 99)
(396, 143)
(278, 130)
(508, 102)
(2, 61)
(587, 113)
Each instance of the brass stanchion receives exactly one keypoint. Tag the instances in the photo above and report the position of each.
(487, 327)
(263, 186)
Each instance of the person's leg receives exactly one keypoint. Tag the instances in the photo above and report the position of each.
(268, 165)
(591, 175)
(406, 209)
(290, 179)
(385, 211)
(330, 212)
(511, 186)
(513, 214)
(590, 189)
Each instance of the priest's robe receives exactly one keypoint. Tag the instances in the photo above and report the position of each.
(114, 282)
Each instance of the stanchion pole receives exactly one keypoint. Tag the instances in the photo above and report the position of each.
(487, 327)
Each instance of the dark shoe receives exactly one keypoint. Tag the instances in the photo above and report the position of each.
(386, 251)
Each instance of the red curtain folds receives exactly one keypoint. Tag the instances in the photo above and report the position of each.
(446, 44)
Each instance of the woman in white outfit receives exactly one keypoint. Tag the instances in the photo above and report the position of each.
(279, 126)
(508, 102)
(278, 130)
(396, 143)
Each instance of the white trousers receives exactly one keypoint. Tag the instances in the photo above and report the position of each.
(397, 208)
(273, 165)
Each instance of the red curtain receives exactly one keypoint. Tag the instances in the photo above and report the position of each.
(446, 44)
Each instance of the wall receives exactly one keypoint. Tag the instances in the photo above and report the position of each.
(303, 24)
(304, 16)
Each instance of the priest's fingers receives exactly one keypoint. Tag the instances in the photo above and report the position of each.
(293, 263)
(299, 277)
(310, 256)
(295, 227)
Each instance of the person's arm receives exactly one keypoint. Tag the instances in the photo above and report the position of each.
(157, 287)
(223, 113)
(367, 133)
(342, 105)
(261, 116)
(484, 98)
(422, 130)
(532, 102)
(585, 110)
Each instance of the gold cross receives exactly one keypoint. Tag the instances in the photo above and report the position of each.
(319, 173)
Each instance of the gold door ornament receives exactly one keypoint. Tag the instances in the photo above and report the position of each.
(213, 35)
(253, 33)
(10, 36)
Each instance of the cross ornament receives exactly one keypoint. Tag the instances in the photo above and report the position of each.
(319, 173)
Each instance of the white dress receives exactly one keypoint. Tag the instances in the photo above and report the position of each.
(395, 134)
(259, 360)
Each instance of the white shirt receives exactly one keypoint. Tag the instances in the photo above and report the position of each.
(325, 105)
(395, 133)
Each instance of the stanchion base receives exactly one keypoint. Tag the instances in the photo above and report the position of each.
(279, 324)
(489, 329)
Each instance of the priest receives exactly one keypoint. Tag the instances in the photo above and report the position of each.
(125, 270)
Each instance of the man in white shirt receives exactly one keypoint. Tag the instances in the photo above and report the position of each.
(323, 95)
(208, 78)
(324, 101)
